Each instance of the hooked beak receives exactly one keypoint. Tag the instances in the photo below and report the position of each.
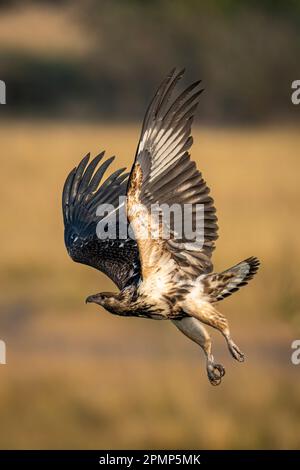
(90, 299)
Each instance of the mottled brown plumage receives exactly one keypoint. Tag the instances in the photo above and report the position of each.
(159, 277)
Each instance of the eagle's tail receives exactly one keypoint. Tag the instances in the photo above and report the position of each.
(223, 284)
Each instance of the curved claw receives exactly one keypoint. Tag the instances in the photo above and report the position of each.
(215, 373)
(236, 353)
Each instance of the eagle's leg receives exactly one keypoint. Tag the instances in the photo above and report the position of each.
(194, 330)
(210, 316)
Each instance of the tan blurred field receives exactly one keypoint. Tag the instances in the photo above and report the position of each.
(55, 30)
(77, 377)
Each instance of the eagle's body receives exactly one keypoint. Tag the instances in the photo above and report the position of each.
(159, 277)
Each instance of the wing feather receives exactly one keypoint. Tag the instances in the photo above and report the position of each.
(163, 173)
(82, 194)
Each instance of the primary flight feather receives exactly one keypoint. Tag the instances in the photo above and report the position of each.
(160, 277)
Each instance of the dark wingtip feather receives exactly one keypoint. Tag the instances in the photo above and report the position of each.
(176, 71)
(67, 188)
(83, 186)
(98, 175)
(77, 178)
(82, 189)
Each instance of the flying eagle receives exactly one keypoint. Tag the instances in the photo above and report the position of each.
(158, 277)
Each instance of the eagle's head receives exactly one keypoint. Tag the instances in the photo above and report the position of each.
(117, 303)
(108, 300)
(103, 298)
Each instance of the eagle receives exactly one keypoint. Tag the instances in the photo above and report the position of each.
(159, 277)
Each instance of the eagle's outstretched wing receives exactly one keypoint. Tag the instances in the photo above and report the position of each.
(164, 174)
(82, 194)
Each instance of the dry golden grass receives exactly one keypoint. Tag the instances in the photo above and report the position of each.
(79, 378)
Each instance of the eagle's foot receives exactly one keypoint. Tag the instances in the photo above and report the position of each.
(215, 372)
(235, 351)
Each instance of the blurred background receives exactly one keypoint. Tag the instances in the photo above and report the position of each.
(79, 76)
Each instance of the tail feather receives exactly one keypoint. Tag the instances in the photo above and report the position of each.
(223, 284)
